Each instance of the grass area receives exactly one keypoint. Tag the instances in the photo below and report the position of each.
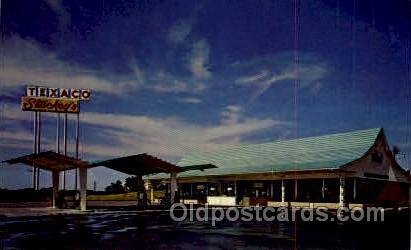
(132, 196)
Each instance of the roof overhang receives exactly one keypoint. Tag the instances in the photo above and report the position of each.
(141, 164)
(50, 161)
(201, 167)
(288, 174)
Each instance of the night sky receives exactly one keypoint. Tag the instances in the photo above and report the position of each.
(173, 77)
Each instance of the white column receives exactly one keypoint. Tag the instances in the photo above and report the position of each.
(55, 179)
(83, 188)
(173, 186)
(151, 189)
(138, 188)
(355, 189)
(342, 191)
(235, 191)
(282, 192)
(272, 189)
(323, 189)
(295, 189)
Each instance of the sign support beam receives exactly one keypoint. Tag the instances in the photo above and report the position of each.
(65, 147)
(38, 148)
(34, 148)
(77, 148)
(40, 99)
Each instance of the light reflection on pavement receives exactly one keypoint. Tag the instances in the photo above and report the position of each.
(157, 231)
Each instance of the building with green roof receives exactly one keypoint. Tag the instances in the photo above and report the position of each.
(355, 167)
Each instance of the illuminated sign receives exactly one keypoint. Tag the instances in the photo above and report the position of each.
(76, 94)
(46, 104)
(258, 185)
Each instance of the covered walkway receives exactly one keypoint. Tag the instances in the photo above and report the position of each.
(55, 163)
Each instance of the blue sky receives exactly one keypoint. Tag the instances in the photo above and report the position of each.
(172, 77)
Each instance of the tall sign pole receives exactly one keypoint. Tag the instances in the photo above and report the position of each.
(38, 148)
(58, 133)
(56, 175)
(34, 148)
(77, 147)
(65, 147)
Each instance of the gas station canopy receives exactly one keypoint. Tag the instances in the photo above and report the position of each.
(145, 164)
(141, 164)
(50, 160)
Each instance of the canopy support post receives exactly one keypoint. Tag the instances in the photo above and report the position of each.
(56, 178)
(173, 185)
(83, 188)
(282, 193)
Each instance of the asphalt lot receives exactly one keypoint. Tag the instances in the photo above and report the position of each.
(155, 230)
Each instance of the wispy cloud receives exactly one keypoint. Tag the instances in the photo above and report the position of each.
(265, 84)
(177, 86)
(168, 137)
(199, 59)
(15, 135)
(163, 82)
(231, 114)
(58, 7)
(266, 71)
(192, 100)
(22, 139)
(27, 63)
(179, 31)
(253, 78)
(171, 137)
(22, 136)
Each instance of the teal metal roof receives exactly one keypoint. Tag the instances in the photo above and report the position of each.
(321, 152)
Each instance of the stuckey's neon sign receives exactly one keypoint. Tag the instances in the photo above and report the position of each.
(58, 100)
(45, 104)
